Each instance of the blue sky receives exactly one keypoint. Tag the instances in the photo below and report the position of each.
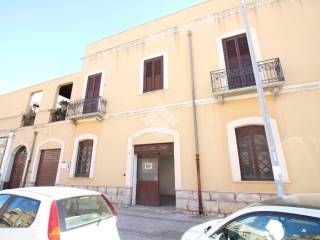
(42, 40)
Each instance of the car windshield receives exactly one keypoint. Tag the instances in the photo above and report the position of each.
(79, 211)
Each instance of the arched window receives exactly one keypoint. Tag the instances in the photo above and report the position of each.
(84, 158)
(254, 158)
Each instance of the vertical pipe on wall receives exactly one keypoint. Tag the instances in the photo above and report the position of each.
(35, 133)
(195, 124)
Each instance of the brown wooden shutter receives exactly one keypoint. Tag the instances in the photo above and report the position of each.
(90, 87)
(148, 76)
(93, 86)
(238, 62)
(92, 93)
(158, 73)
(244, 52)
(97, 82)
(231, 54)
(153, 74)
(236, 51)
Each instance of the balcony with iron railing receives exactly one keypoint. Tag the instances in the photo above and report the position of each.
(58, 114)
(87, 108)
(28, 119)
(235, 81)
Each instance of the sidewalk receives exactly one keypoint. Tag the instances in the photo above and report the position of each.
(142, 223)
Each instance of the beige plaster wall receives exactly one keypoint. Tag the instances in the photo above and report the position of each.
(287, 29)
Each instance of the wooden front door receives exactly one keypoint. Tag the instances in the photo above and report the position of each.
(48, 167)
(238, 62)
(18, 168)
(92, 93)
(148, 181)
(148, 187)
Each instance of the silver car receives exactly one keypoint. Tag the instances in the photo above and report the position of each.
(288, 217)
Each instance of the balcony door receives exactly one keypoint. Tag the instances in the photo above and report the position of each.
(238, 62)
(92, 94)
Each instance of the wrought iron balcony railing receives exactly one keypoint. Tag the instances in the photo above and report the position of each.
(84, 108)
(236, 78)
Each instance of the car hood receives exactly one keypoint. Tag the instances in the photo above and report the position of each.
(197, 231)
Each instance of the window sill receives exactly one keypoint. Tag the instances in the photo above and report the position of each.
(57, 121)
(155, 91)
(26, 127)
(263, 182)
(81, 178)
(273, 87)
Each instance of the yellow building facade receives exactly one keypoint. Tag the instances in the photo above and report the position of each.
(124, 124)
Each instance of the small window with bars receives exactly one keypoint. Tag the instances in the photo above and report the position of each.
(153, 74)
(84, 158)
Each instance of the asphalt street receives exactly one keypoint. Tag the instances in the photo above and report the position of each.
(142, 223)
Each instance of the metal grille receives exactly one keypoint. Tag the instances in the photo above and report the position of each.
(83, 107)
(84, 158)
(253, 152)
(227, 79)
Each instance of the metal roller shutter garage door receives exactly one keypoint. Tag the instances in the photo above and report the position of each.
(48, 167)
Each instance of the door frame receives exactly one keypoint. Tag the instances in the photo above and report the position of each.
(9, 166)
(130, 178)
(134, 178)
(57, 171)
(134, 169)
(39, 148)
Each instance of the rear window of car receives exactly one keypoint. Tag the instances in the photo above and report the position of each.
(18, 211)
(79, 211)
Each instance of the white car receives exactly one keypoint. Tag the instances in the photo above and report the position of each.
(56, 213)
(289, 217)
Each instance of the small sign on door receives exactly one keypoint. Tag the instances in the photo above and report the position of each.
(148, 166)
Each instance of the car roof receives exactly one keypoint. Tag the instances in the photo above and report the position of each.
(303, 200)
(51, 192)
